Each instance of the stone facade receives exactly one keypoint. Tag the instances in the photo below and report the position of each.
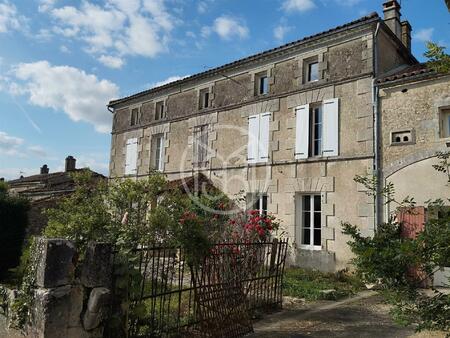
(346, 69)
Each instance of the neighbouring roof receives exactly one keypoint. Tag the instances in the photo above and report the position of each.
(192, 184)
(44, 184)
(365, 19)
(416, 71)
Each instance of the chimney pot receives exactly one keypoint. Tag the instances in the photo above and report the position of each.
(406, 34)
(70, 163)
(44, 169)
(392, 16)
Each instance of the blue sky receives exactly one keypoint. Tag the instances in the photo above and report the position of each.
(61, 61)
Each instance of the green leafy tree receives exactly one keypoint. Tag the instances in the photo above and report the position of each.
(437, 58)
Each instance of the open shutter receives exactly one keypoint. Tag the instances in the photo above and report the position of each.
(253, 136)
(330, 127)
(263, 143)
(302, 132)
(131, 157)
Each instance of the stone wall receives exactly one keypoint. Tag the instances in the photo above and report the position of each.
(70, 300)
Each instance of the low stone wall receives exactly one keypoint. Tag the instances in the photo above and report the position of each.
(71, 300)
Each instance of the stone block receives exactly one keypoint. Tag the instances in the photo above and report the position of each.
(96, 308)
(314, 259)
(97, 265)
(77, 332)
(51, 312)
(56, 265)
(76, 305)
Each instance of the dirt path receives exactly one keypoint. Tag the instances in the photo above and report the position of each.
(362, 316)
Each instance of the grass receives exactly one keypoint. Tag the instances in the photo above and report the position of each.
(309, 284)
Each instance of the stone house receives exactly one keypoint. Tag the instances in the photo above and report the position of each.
(290, 127)
(414, 111)
(45, 190)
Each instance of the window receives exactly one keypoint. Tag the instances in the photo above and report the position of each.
(131, 156)
(310, 217)
(258, 138)
(261, 84)
(204, 98)
(317, 130)
(157, 152)
(200, 145)
(160, 111)
(134, 117)
(311, 70)
(444, 123)
(315, 139)
(257, 202)
(402, 137)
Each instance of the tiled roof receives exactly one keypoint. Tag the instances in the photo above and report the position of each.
(370, 17)
(407, 73)
(43, 183)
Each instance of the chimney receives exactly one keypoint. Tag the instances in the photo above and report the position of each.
(406, 34)
(44, 169)
(392, 15)
(70, 163)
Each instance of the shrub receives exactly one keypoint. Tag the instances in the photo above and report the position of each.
(13, 223)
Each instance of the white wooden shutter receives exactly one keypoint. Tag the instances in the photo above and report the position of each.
(263, 142)
(330, 127)
(253, 136)
(302, 132)
(131, 156)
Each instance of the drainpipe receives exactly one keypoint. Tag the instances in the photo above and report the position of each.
(376, 132)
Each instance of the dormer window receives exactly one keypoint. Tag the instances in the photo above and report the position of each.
(160, 111)
(262, 84)
(204, 98)
(134, 120)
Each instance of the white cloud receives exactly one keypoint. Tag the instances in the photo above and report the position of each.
(280, 31)
(64, 49)
(202, 7)
(37, 151)
(46, 5)
(9, 145)
(111, 61)
(168, 80)
(82, 96)
(117, 27)
(424, 35)
(10, 19)
(298, 5)
(347, 2)
(95, 162)
(227, 28)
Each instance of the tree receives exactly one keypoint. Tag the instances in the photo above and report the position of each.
(437, 58)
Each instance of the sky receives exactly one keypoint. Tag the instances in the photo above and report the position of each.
(61, 61)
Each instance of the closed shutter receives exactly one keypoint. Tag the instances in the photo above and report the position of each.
(330, 127)
(131, 156)
(253, 135)
(161, 153)
(263, 142)
(302, 132)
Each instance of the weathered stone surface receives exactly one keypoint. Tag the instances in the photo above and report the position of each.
(97, 266)
(96, 308)
(320, 260)
(51, 312)
(56, 263)
(76, 305)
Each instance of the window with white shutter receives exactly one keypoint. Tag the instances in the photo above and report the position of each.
(258, 138)
(131, 156)
(302, 132)
(317, 130)
(330, 146)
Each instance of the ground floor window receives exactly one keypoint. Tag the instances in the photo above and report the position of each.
(309, 221)
(257, 202)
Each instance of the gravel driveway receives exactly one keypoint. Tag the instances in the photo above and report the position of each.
(364, 315)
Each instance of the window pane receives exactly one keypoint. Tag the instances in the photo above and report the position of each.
(317, 115)
(306, 219)
(263, 85)
(306, 236)
(317, 203)
(317, 239)
(306, 203)
(264, 204)
(317, 220)
(206, 100)
(313, 71)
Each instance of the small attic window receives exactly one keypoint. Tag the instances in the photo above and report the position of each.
(402, 137)
(134, 120)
